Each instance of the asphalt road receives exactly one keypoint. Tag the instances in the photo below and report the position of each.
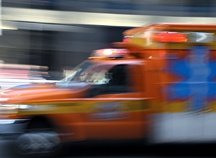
(126, 151)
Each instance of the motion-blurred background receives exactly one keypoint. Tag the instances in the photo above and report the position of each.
(59, 34)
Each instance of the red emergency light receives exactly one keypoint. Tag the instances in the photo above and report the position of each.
(109, 53)
(173, 37)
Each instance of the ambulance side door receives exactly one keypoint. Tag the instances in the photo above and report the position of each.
(119, 111)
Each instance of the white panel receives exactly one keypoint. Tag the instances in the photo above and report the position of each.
(184, 127)
(210, 127)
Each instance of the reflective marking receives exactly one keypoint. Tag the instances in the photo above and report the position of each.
(109, 111)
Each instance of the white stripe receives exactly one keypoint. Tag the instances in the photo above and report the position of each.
(90, 18)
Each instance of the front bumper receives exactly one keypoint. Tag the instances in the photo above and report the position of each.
(10, 128)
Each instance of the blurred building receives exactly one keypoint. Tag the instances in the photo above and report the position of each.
(62, 33)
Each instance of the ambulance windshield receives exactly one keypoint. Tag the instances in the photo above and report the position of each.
(95, 74)
(78, 70)
(98, 74)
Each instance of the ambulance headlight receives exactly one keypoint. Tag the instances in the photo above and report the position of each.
(12, 108)
(8, 108)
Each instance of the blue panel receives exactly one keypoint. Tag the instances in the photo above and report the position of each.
(178, 91)
(212, 74)
(198, 73)
(179, 67)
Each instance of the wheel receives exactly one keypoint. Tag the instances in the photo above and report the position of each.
(40, 139)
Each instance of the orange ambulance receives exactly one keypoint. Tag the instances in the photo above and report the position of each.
(159, 83)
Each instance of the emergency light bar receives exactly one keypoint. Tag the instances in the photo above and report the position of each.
(183, 37)
(175, 37)
(109, 53)
(170, 37)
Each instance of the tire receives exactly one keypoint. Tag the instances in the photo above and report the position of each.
(39, 139)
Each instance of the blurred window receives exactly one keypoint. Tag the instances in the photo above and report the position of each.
(108, 79)
(94, 74)
(118, 76)
(77, 71)
(112, 78)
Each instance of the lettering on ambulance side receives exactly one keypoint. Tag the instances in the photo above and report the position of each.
(109, 111)
(198, 73)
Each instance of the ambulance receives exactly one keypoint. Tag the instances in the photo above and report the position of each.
(158, 84)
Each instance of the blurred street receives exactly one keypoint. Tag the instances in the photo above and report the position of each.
(126, 151)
